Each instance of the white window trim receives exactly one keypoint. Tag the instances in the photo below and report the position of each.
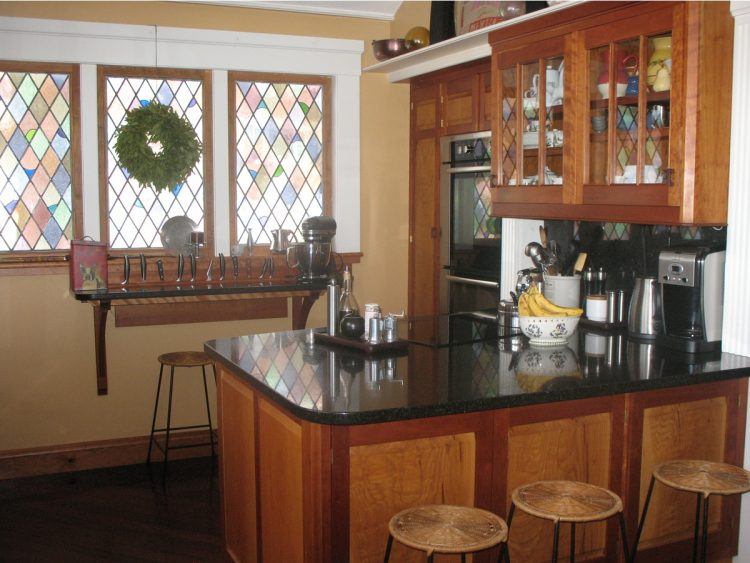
(91, 44)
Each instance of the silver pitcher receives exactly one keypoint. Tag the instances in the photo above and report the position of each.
(644, 315)
(281, 239)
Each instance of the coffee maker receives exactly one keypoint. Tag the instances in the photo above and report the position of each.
(692, 291)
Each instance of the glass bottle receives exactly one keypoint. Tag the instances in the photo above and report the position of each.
(348, 305)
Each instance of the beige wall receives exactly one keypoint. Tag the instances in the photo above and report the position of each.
(47, 384)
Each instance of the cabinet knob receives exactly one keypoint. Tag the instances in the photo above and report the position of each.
(669, 176)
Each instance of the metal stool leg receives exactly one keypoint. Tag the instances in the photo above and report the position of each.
(572, 542)
(555, 540)
(153, 420)
(704, 545)
(388, 547)
(697, 526)
(624, 534)
(208, 411)
(169, 424)
(504, 549)
(643, 518)
(431, 558)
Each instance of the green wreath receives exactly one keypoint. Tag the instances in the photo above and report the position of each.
(180, 147)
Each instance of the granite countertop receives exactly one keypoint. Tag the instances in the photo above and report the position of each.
(186, 289)
(330, 385)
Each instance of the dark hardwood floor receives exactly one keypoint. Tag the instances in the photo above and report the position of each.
(117, 514)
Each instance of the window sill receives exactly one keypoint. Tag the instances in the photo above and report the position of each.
(33, 265)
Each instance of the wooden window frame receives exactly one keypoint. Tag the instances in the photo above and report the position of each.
(104, 71)
(244, 76)
(45, 259)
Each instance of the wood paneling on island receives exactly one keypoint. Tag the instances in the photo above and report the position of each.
(389, 477)
(297, 491)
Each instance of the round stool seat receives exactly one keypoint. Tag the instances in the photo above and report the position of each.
(185, 359)
(448, 529)
(706, 477)
(567, 501)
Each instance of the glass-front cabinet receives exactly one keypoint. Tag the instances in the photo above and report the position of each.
(530, 127)
(615, 112)
(629, 87)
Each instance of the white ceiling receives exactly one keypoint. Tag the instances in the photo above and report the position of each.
(374, 9)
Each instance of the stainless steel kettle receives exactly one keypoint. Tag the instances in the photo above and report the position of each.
(644, 315)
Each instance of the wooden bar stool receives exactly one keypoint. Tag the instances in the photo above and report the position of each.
(704, 478)
(180, 360)
(567, 501)
(445, 528)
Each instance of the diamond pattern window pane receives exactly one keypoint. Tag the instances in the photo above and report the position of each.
(36, 199)
(485, 226)
(279, 155)
(137, 214)
(508, 149)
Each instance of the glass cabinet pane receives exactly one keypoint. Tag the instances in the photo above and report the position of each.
(629, 91)
(509, 97)
(533, 129)
(554, 74)
(599, 115)
(626, 113)
(659, 82)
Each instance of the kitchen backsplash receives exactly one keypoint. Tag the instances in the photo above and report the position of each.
(626, 250)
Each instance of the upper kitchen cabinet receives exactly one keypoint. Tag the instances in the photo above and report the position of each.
(453, 101)
(532, 161)
(643, 121)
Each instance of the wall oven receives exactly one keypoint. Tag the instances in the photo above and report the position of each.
(470, 241)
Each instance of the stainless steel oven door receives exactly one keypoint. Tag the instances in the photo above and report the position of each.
(469, 294)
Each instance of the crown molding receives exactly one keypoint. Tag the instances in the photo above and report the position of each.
(376, 10)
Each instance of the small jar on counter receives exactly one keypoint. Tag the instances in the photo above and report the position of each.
(372, 311)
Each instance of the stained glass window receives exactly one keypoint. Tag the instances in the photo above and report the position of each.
(36, 161)
(279, 155)
(135, 214)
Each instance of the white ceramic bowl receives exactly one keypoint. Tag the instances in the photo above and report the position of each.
(548, 331)
(537, 368)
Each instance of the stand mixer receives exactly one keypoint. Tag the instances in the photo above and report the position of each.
(311, 258)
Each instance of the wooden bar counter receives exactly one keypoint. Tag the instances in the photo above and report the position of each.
(320, 446)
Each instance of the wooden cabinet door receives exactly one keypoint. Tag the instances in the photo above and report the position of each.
(238, 467)
(577, 441)
(460, 105)
(485, 101)
(424, 247)
(533, 153)
(695, 422)
(633, 118)
(425, 111)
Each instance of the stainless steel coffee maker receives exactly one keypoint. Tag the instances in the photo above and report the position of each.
(311, 257)
(692, 291)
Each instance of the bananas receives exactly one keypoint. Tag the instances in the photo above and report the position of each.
(533, 304)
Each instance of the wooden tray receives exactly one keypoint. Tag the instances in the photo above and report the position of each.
(362, 345)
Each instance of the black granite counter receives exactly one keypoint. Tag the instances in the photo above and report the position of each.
(334, 386)
(187, 289)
